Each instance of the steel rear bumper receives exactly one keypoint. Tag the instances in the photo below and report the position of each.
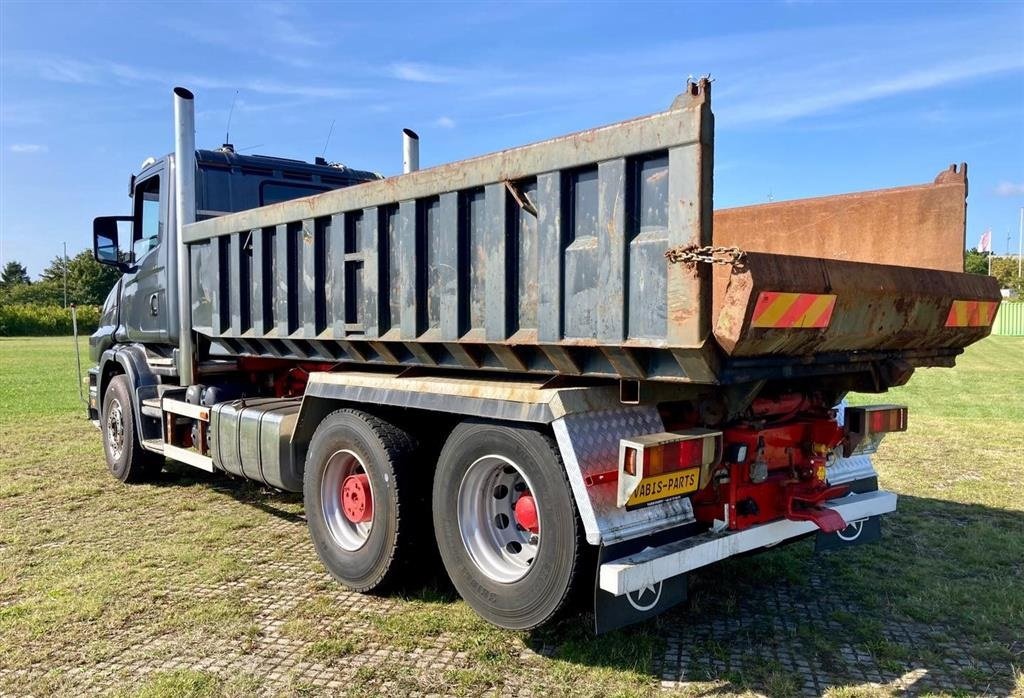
(652, 565)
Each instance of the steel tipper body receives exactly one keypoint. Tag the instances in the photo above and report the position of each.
(534, 353)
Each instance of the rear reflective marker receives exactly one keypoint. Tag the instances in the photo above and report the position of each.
(793, 310)
(971, 313)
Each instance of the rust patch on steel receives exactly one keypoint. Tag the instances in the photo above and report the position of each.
(877, 307)
(920, 226)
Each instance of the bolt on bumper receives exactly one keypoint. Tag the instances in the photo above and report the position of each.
(652, 565)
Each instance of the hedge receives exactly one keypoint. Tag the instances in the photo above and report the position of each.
(32, 320)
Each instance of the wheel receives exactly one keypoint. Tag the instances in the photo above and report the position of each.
(505, 523)
(126, 459)
(360, 499)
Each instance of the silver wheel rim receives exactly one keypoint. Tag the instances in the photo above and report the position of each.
(500, 548)
(347, 535)
(115, 429)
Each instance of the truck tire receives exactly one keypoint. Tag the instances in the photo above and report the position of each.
(126, 459)
(357, 456)
(514, 563)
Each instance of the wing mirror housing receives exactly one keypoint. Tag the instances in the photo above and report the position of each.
(107, 231)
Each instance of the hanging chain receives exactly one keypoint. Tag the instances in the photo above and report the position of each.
(691, 254)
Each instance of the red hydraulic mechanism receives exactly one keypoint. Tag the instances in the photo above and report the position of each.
(526, 513)
(807, 506)
(356, 498)
(774, 471)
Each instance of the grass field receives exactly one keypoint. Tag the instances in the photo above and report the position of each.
(95, 574)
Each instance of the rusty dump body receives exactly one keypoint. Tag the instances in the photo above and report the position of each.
(551, 259)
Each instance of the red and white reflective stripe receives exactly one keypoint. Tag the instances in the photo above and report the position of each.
(779, 310)
(971, 313)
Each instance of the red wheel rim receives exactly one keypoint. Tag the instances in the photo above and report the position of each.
(356, 499)
(526, 513)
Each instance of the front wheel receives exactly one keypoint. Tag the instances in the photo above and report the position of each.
(126, 459)
(506, 524)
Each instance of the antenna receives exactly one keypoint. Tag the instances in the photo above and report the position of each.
(329, 133)
(231, 112)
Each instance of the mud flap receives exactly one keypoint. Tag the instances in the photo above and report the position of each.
(859, 532)
(612, 612)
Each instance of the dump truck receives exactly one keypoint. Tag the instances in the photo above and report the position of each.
(545, 368)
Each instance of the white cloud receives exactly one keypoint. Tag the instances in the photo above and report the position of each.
(28, 148)
(421, 72)
(1010, 189)
(445, 122)
(60, 69)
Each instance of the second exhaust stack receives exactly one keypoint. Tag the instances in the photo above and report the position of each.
(410, 151)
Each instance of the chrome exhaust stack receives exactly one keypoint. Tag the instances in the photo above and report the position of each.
(184, 213)
(410, 151)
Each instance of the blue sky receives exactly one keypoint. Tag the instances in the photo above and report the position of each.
(810, 98)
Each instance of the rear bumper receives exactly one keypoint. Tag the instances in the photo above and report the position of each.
(652, 565)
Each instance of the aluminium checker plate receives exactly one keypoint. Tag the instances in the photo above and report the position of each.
(589, 443)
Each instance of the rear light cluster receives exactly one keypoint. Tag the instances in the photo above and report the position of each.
(877, 419)
(866, 426)
(670, 457)
(658, 457)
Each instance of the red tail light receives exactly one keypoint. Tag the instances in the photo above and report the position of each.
(682, 459)
(657, 454)
(876, 419)
(865, 426)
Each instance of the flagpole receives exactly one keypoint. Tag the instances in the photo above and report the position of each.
(1020, 241)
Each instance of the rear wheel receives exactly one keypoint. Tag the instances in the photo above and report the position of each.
(126, 459)
(360, 515)
(505, 523)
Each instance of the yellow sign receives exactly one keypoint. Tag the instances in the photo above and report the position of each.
(663, 486)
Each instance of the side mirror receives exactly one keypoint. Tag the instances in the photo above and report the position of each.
(106, 232)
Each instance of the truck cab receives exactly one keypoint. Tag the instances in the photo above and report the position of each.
(141, 308)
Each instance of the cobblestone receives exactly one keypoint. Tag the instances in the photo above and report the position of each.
(761, 641)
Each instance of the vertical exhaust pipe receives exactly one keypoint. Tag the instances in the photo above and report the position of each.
(184, 213)
(410, 151)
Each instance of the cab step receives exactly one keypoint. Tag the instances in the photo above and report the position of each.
(154, 445)
(151, 407)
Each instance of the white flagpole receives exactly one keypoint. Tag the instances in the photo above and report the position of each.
(1020, 242)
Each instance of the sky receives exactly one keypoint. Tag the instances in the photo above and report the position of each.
(809, 98)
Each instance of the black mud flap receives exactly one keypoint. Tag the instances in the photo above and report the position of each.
(859, 532)
(612, 612)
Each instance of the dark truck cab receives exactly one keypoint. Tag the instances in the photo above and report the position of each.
(141, 308)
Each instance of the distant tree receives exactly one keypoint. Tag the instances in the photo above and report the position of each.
(40, 293)
(88, 280)
(1005, 271)
(14, 273)
(976, 262)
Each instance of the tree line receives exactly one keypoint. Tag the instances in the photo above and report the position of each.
(89, 282)
(1003, 268)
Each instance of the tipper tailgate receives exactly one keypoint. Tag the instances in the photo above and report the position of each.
(787, 305)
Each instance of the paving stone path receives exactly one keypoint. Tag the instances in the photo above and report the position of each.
(703, 654)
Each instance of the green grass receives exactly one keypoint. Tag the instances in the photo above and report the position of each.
(89, 567)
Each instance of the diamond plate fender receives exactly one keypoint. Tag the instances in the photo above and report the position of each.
(589, 444)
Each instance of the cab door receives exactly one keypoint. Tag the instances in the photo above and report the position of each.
(144, 312)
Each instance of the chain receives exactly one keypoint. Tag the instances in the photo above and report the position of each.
(691, 254)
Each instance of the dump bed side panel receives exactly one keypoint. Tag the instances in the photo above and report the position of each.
(918, 226)
(548, 257)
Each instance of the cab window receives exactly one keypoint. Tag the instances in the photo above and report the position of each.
(147, 217)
